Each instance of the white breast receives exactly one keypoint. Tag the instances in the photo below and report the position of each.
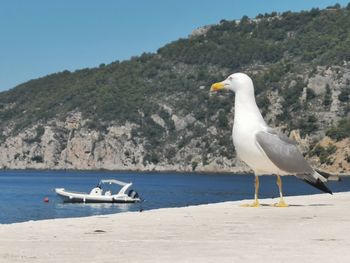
(246, 125)
(249, 152)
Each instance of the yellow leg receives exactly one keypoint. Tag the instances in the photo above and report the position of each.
(256, 201)
(281, 203)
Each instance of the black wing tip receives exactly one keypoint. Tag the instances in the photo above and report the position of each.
(319, 185)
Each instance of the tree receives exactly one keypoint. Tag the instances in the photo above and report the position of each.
(327, 100)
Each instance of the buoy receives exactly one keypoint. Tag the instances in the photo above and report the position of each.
(46, 199)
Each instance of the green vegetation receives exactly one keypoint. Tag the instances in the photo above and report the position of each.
(292, 94)
(324, 153)
(341, 131)
(39, 131)
(310, 94)
(308, 125)
(327, 100)
(38, 159)
(344, 95)
(291, 103)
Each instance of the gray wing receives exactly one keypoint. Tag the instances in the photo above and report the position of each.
(283, 152)
(282, 136)
(286, 156)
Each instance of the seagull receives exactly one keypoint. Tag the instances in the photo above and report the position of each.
(262, 148)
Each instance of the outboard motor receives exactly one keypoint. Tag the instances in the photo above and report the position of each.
(133, 194)
(96, 191)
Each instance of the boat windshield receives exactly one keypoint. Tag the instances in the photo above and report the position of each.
(114, 186)
(112, 181)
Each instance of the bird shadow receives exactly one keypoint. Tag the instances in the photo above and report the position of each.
(297, 205)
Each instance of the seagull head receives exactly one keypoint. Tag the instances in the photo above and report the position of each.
(235, 82)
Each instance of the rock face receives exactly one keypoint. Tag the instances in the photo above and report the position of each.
(182, 123)
(335, 156)
(68, 145)
(200, 31)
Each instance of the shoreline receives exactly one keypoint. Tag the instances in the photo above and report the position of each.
(147, 171)
(314, 228)
(129, 171)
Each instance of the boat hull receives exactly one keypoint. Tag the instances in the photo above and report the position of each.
(74, 197)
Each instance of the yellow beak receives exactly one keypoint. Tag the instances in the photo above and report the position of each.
(217, 86)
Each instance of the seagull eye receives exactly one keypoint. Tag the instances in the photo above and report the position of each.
(230, 78)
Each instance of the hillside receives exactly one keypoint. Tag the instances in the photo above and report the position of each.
(154, 111)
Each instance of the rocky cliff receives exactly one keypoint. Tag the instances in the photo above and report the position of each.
(70, 145)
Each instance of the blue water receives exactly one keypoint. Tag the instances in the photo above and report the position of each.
(22, 192)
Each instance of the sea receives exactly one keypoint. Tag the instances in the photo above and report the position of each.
(22, 193)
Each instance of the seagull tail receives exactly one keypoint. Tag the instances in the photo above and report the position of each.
(319, 185)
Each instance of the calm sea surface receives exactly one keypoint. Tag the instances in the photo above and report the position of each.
(22, 192)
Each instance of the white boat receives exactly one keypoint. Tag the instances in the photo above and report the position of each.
(102, 193)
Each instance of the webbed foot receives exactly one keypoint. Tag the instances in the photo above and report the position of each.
(281, 203)
(254, 204)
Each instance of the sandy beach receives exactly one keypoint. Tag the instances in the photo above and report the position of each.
(314, 228)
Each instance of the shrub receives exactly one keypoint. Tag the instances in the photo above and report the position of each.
(341, 131)
(324, 153)
(151, 157)
(38, 159)
(327, 100)
(223, 123)
(344, 95)
(310, 94)
(308, 126)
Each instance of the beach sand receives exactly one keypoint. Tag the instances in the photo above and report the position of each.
(314, 228)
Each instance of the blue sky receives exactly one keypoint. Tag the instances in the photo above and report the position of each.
(40, 37)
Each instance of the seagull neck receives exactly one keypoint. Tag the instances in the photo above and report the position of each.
(245, 106)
